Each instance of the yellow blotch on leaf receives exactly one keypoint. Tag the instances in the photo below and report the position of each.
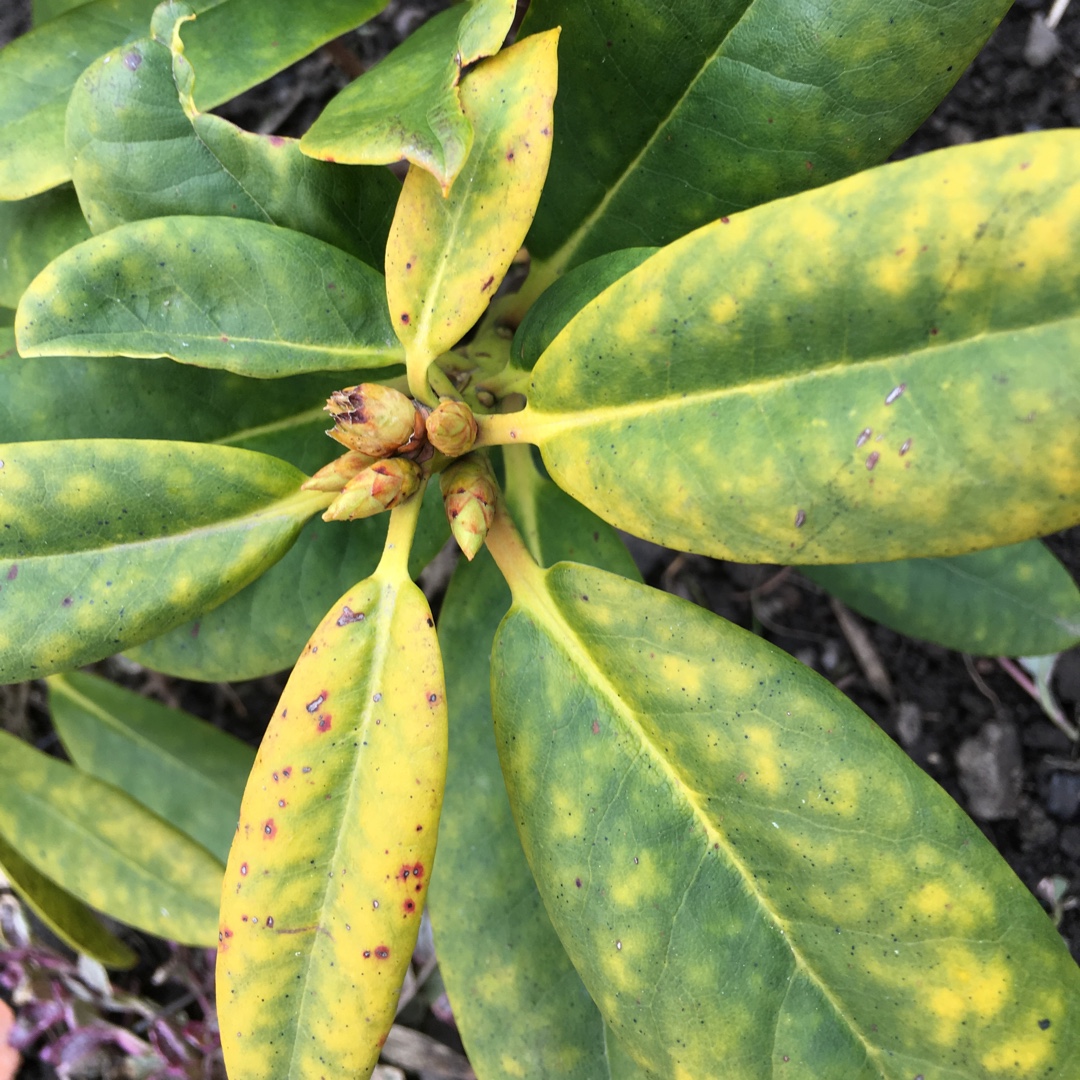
(969, 992)
(761, 759)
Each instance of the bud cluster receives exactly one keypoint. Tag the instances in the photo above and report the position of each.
(387, 436)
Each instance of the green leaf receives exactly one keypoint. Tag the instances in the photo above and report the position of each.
(69, 919)
(407, 107)
(44, 10)
(218, 292)
(669, 117)
(263, 627)
(166, 400)
(885, 368)
(234, 45)
(751, 878)
(106, 543)
(447, 255)
(7, 318)
(140, 149)
(559, 303)
(32, 233)
(1011, 601)
(37, 72)
(183, 769)
(327, 875)
(104, 848)
(498, 952)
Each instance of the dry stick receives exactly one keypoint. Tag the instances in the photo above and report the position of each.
(865, 653)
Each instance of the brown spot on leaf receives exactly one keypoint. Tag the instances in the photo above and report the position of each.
(269, 829)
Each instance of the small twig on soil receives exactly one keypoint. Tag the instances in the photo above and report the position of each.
(770, 584)
(981, 686)
(865, 654)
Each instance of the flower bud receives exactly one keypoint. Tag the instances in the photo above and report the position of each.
(338, 473)
(451, 428)
(377, 488)
(374, 419)
(469, 495)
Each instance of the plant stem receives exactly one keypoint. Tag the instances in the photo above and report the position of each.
(416, 366)
(510, 553)
(498, 429)
(523, 484)
(394, 563)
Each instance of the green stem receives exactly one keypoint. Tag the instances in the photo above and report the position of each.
(541, 275)
(416, 366)
(511, 555)
(508, 381)
(441, 384)
(499, 429)
(523, 484)
(394, 563)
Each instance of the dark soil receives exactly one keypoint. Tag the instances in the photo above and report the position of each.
(942, 706)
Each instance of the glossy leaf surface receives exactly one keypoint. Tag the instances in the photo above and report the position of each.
(190, 773)
(106, 849)
(69, 919)
(44, 10)
(670, 117)
(140, 148)
(263, 627)
(32, 233)
(447, 256)
(37, 72)
(235, 44)
(407, 108)
(498, 952)
(176, 401)
(106, 543)
(327, 875)
(751, 878)
(1011, 601)
(559, 303)
(884, 368)
(218, 292)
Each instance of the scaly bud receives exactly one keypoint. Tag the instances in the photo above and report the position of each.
(374, 419)
(451, 428)
(377, 488)
(338, 473)
(469, 495)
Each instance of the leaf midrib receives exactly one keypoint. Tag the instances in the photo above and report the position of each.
(562, 256)
(566, 639)
(74, 826)
(379, 652)
(534, 424)
(127, 549)
(142, 741)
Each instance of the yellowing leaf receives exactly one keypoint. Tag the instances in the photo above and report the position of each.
(104, 848)
(883, 368)
(447, 256)
(69, 919)
(751, 879)
(328, 872)
(408, 108)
